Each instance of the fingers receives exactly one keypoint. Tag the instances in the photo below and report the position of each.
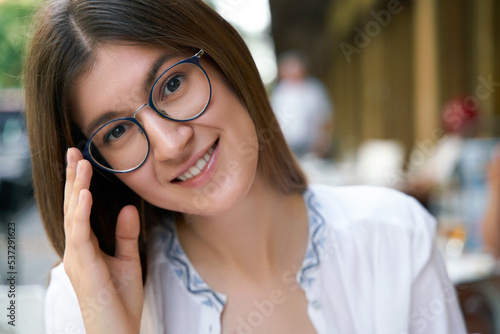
(79, 174)
(127, 234)
(127, 250)
(80, 227)
(72, 157)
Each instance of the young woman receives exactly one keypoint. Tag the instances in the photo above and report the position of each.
(188, 213)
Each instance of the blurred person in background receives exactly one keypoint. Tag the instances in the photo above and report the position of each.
(459, 120)
(302, 106)
(452, 181)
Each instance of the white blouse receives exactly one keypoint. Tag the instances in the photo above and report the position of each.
(371, 266)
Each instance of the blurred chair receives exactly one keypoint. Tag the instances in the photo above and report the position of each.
(480, 304)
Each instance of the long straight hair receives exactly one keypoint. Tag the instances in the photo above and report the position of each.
(63, 47)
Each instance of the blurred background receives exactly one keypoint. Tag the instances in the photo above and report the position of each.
(404, 94)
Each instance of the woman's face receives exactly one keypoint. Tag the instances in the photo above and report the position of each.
(222, 142)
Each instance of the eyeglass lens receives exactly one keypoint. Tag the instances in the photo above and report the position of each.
(182, 93)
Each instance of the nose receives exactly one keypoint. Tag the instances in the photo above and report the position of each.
(167, 138)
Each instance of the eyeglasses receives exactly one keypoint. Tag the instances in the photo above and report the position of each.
(181, 93)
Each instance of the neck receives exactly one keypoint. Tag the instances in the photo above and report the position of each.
(266, 232)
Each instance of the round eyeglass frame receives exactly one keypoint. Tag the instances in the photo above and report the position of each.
(194, 60)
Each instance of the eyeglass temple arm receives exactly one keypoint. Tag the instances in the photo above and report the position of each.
(199, 54)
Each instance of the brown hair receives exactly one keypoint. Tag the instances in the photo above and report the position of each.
(65, 37)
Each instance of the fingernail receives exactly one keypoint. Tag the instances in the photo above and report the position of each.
(80, 197)
(79, 168)
(69, 157)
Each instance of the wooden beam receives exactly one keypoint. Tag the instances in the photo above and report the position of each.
(426, 93)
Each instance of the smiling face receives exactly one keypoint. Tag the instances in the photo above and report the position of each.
(204, 166)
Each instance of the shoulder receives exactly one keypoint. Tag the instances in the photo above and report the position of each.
(379, 251)
(62, 311)
(380, 225)
(346, 207)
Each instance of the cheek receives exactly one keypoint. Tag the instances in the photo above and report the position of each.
(147, 187)
(139, 181)
(246, 149)
(241, 167)
(245, 145)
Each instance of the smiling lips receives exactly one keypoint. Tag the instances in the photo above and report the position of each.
(198, 166)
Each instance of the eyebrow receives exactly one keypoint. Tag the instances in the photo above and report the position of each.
(146, 86)
(153, 71)
(108, 116)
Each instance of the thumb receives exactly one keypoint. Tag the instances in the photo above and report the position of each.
(128, 227)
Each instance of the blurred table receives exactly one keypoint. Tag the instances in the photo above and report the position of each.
(476, 277)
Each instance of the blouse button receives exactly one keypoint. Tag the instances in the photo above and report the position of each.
(316, 304)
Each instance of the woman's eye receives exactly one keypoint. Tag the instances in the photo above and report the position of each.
(115, 133)
(172, 85)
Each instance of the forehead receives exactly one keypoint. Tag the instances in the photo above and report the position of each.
(115, 81)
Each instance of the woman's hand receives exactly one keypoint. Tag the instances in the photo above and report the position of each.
(109, 289)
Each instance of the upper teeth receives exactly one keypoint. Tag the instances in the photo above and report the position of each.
(198, 166)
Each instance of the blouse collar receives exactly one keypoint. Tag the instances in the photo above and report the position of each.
(194, 283)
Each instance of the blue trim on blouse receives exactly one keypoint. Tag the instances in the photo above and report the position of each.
(185, 271)
(316, 240)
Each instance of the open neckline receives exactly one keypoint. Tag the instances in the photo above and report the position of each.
(196, 285)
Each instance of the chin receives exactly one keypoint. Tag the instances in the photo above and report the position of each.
(212, 200)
